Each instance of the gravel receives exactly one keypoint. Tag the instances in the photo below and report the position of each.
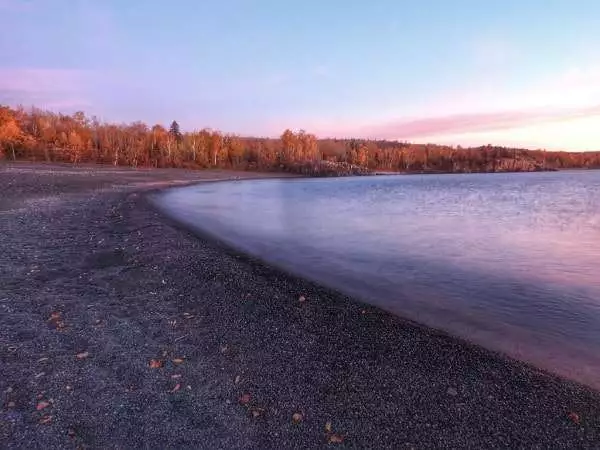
(119, 328)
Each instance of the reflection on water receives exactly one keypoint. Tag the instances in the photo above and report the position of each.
(510, 261)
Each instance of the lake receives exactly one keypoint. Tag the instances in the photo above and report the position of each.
(508, 261)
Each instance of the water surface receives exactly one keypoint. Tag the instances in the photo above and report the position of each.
(509, 261)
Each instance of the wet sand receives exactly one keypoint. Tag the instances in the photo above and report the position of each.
(97, 286)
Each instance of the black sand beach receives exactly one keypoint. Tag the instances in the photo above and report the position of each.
(96, 287)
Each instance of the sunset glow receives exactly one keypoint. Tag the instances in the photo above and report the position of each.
(520, 74)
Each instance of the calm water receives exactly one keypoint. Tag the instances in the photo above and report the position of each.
(510, 261)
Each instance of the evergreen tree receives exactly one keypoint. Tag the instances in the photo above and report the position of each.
(175, 132)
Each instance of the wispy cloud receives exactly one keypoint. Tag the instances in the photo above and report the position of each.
(36, 80)
(46, 88)
(573, 93)
(473, 122)
(572, 87)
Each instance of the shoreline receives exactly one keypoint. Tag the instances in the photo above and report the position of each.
(132, 284)
(231, 247)
(562, 354)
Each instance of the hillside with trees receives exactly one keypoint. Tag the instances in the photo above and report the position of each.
(37, 135)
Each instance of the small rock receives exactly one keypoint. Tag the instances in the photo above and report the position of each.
(302, 299)
(452, 391)
(297, 417)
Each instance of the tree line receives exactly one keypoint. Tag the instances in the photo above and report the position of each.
(39, 135)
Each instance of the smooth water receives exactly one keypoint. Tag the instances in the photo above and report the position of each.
(509, 261)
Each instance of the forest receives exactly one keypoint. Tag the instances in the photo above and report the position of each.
(37, 135)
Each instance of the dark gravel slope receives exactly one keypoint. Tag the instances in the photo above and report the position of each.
(94, 285)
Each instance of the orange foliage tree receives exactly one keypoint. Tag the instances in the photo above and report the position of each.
(39, 135)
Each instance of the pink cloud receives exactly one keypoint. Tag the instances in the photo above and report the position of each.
(35, 80)
(473, 122)
(46, 88)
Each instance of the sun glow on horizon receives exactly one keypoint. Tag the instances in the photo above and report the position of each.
(580, 134)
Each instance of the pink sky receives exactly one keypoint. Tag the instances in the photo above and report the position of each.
(559, 111)
(525, 74)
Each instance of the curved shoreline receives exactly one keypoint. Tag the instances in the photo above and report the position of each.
(239, 326)
(191, 208)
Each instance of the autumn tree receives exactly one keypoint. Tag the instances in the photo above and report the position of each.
(10, 132)
(42, 135)
(158, 139)
(308, 145)
(289, 144)
(216, 147)
(235, 150)
(203, 147)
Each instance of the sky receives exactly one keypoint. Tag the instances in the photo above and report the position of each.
(461, 72)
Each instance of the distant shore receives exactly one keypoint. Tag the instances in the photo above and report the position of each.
(120, 328)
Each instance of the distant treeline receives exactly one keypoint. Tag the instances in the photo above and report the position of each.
(39, 135)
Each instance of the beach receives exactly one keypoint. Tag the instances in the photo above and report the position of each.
(121, 328)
